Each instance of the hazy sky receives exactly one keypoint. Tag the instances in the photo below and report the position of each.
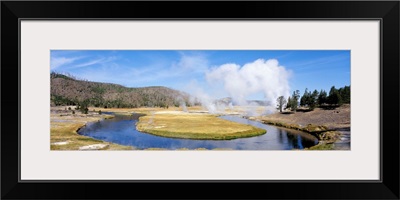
(216, 72)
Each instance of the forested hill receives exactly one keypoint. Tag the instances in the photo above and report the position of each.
(70, 91)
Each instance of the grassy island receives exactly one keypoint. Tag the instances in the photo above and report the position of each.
(195, 126)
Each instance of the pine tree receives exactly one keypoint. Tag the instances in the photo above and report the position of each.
(313, 100)
(295, 100)
(322, 98)
(289, 102)
(304, 98)
(345, 94)
(334, 97)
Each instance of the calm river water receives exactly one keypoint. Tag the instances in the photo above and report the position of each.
(122, 130)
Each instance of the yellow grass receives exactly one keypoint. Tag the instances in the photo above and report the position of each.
(63, 129)
(195, 126)
(146, 110)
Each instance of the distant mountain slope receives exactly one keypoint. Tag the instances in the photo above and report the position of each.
(229, 101)
(69, 91)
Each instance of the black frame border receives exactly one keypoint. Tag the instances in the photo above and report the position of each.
(385, 11)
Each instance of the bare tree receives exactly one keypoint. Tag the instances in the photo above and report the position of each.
(281, 101)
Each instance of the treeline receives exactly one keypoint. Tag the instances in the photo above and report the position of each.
(311, 100)
(65, 90)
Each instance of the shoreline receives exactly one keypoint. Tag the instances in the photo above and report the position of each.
(327, 137)
(64, 134)
(195, 127)
(332, 126)
(320, 131)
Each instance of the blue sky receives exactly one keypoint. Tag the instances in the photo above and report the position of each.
(312, 69)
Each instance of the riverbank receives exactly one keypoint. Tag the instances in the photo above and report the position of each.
(331, 127)
(326, 137)
(200, 126)
(64, 126)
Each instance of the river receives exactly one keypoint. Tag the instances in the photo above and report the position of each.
(122, 130)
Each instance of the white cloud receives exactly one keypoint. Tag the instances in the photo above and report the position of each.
(93, 62)
(260, 76)
(319, 63)
(192, 63)
(186, 66)
(56, 62)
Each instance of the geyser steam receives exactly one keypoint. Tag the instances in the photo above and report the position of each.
(265, 76)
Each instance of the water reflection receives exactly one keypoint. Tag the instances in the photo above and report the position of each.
(122, 130)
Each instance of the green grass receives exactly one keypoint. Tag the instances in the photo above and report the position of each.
(191, 126)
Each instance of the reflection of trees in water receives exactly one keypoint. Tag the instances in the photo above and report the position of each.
(280, 136)
(299, 142)
(308, 142)
(293, 140)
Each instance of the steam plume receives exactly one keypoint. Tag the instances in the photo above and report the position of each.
(265, 76)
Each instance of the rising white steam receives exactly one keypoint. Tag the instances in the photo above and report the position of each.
(200, 96)
(260, 76)
(264, 77)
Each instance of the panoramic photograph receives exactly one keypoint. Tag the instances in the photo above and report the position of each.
(200, 100)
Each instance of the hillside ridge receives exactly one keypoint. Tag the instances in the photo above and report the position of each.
(66, 90)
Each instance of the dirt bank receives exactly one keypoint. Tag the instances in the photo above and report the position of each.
(334, 120)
